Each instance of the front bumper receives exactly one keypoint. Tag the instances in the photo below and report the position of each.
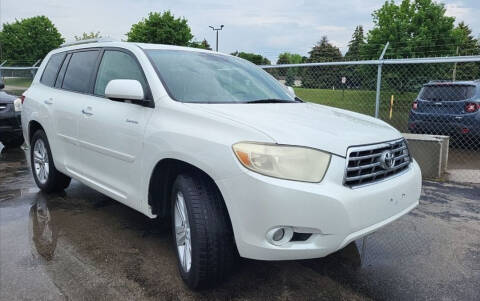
(335, 214)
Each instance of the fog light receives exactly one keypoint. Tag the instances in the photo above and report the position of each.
(279, 235)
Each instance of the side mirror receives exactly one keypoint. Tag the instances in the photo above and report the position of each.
(124, 89)
(291, 91)
(2, 85)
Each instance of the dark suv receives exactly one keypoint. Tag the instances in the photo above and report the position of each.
(447, 108)
(10, 123)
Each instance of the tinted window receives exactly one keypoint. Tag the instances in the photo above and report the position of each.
(447, 92)
(50, 73)
(117, 65)
(80, 70)
(213, 78)
(61, 73)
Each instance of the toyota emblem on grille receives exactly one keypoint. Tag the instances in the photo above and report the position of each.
(387, 160)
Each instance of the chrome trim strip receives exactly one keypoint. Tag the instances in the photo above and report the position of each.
(378, 173)
(363, 167)
(371, 147)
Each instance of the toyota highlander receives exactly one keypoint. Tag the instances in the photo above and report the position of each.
(214, 143)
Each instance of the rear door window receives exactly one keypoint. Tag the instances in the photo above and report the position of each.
(61, 73)
(80, 70)
(51, 70)
(117, 65)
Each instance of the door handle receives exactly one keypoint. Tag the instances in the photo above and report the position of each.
(84, 112)
(48, 101)
(131, 121)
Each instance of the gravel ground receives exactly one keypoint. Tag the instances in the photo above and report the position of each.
(81, 245)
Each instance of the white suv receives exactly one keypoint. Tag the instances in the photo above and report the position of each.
(216, 144)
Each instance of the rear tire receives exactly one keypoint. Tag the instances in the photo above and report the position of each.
(206, 232)
(47, 177)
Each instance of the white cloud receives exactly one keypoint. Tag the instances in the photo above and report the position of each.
(457, 10)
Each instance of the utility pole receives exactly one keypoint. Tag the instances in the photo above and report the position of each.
(216, 29)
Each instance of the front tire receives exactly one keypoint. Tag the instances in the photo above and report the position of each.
(47, 177)
(202, 232)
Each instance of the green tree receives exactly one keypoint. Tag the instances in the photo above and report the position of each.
(290, 78)
(356, 44)
(324, 52)
(466, 45)
(287, 58)
(161, 29)
(322, 77)
(89, 35)
(252, 57)
(29, 40)
(203, 45)
(466, 42)
(414, 28)
(354, 74)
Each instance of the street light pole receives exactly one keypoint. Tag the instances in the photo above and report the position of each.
(216, 29)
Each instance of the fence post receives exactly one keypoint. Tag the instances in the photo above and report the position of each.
(33, 71)
(1, 65)
(379, 80)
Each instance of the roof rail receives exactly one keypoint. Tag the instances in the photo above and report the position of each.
(87, 41)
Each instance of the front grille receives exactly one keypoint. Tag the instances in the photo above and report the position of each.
(376, 162)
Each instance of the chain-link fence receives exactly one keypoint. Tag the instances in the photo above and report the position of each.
(437, 96)
(17, 75)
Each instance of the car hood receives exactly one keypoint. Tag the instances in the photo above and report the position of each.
(307, 124)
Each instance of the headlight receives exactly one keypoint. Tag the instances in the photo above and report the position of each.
(17, 105)
(283, 161)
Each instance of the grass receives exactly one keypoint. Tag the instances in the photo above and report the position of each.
(18, 81)
(363, 101)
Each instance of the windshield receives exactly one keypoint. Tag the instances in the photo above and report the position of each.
(213, 78)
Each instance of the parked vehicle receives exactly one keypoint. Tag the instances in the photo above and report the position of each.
(215, 143)
(10, 121)
(448, 108)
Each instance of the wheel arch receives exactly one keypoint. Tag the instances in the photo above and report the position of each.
(161, 181)
(33, 126)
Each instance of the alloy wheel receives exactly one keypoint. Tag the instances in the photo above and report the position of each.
(182, 233)
(40, 161)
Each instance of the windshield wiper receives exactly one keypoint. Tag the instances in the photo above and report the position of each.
(269, 100)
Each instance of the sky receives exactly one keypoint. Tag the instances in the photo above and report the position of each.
(267, 27)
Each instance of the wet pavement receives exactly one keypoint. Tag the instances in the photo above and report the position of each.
(82, 245)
